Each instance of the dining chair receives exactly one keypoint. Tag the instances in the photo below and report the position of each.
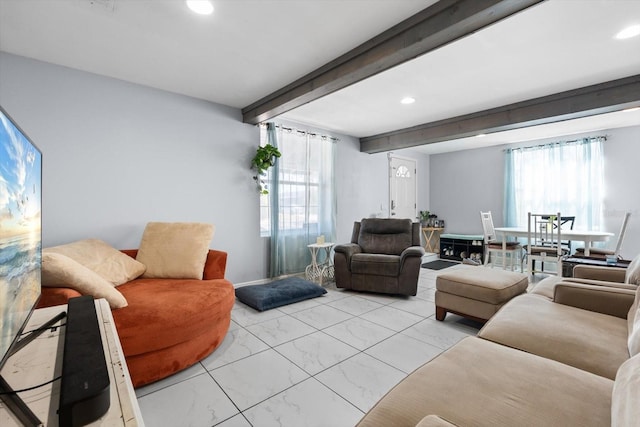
(493, 245)
(567, 224)
(602, 253)
(544, 242)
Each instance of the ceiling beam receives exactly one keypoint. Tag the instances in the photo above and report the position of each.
(439, 24)
(587, 101)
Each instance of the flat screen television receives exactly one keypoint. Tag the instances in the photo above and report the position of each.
(20, 231)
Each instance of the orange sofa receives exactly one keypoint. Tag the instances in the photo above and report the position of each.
(169, 324)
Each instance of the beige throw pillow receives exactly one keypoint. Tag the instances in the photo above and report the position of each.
(634, 340)
(106, 261)
(434, 421)
(632, 275)
(625, 410)
(61, 271)
(175, 250)
(633, 323)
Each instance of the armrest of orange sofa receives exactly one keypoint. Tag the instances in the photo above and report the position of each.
(56, 296)
(214, 267)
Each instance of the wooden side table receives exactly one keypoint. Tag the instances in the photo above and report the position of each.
(41, 361)
(317, 271)
(429, 234)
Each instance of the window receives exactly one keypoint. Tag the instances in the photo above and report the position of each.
(306, 160)
(301, 202)
(403, 172)
(565, 177)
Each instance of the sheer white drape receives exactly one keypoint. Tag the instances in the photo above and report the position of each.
(566, 177)
(301, 203)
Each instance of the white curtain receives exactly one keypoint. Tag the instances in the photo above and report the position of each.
(302, 197)
(565, 177)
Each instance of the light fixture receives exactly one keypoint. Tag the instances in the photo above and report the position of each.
(630, 31)
(407, 100)
(481, 135)
(201, 7)
(629, 110)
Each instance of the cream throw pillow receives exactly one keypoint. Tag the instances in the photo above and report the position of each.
(625, 410)
(434, 421)
(175, 250)
(633, 323)
(632, 275)
(61, 271)
(634, 339)
(106, 261)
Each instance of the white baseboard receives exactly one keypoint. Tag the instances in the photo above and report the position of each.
(267, 280)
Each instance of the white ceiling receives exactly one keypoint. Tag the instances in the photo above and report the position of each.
(249, 48)
(242, 52)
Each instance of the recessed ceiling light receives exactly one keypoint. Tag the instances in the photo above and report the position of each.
(407, 100)
(201, 7)
(629, 32)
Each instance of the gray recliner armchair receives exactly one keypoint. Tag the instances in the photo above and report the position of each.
(384, 256)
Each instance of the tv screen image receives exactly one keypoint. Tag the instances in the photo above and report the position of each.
(20, 231)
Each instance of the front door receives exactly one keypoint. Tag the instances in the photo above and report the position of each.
(402, 187)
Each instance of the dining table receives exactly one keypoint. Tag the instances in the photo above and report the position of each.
(586, 236)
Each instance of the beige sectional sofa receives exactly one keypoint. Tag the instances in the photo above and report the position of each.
(565, 354)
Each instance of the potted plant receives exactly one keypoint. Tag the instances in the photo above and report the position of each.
(424, 218)
(264, 159)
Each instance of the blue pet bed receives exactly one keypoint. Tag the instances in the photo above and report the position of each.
(278, 293)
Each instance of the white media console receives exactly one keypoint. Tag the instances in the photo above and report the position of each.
(41, 360)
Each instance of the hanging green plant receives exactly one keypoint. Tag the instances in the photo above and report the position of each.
(264, 159)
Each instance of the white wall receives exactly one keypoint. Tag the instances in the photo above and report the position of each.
(117, 155)
(622, 175)
(465, 182)
(462, 184)
(363, 184)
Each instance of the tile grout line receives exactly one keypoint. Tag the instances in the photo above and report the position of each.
(426, 287)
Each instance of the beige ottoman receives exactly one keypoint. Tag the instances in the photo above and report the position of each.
(477, 292)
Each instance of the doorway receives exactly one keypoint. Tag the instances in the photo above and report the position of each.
(402, 187)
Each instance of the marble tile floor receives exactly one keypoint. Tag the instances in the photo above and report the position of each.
(321, 362)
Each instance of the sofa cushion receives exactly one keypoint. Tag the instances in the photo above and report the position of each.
(99, 257)
(375, 264)
(489, 285)
(175, 250)
(480, 383)
(555, 331)
(61, 271)
(385, 236)
(278, 293)
(546, 287)
(625, 411)
(164, 313)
